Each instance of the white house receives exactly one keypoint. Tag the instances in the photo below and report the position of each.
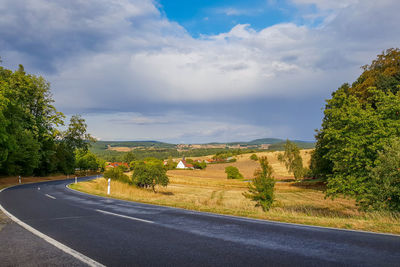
(183, 165)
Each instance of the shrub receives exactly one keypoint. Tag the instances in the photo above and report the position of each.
(233, 173)
(385, 180)
(117, 174)
(261, 189)
(254, 157)
(150, 174)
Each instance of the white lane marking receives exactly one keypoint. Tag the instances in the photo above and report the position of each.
(124, 216)
(47, 195)
(54, 242)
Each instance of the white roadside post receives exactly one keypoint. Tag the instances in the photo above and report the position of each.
(19, 179)
(76, 180)
(108, 187)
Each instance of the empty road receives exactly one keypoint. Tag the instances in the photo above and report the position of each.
(114, 232)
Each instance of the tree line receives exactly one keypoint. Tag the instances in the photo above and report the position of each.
(31, 142)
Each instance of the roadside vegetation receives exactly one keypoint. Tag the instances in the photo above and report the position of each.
(361, 124)
(31, 142)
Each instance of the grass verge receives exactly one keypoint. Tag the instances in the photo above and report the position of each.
(302, 203)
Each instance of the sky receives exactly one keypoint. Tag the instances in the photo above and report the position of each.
(196, 71)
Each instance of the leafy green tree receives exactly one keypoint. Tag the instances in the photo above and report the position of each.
(28, 122)
(385, 179)
(129, 157)
(76, 136)
(359, 121)
(171, 164)
(261, 189)
(233, 173)
(149, 174)
(254, 157)
(86, 160)
(292, 159)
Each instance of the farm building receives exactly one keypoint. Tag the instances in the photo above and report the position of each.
(184, 165)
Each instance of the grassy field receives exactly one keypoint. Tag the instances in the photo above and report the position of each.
(209, 190)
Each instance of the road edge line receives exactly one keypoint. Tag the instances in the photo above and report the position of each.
(62, 247)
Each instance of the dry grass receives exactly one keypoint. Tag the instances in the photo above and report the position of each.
(245, 166)
(210, 191)
(120, 149)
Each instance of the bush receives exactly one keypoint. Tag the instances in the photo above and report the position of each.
(199, 165)
(116, 174)
(254, 157)
(233, 173)
(385, 180)
(261, 188)
(150, 174)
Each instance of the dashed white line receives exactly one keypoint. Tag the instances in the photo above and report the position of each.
(124, 216)
(47, 195)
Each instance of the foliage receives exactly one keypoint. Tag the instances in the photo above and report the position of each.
(171, 164)
(86, 160)
(233, 173)
(149, 174)
(254, 157)
(30, 143)
(199, 165)
(292, 159)
(261, 189)
(385, 179)
(359, 121)
(116, 174)
(129, 157)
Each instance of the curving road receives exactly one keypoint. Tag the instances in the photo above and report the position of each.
(114, 232)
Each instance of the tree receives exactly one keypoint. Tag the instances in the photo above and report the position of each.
(292, 159)
(30, 142)
(76, 136)
(129, 157)
(261, 189)
(254, 157)
(117, 174)
(359, 120)
(28, 122)
(171, 164)
(233, 173)
(86, 160)
(150, 174)
(385, 179)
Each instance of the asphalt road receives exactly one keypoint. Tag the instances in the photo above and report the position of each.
(114, 232)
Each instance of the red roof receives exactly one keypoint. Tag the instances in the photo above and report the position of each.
(116, 164)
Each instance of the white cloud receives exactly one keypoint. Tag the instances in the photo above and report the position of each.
(123, 55)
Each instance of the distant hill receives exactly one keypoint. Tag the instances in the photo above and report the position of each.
(265, 141)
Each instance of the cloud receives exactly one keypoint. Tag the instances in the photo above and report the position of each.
(182, 128)
(125, 56)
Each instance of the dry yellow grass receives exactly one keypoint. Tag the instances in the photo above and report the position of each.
(245, 166)
(120, 149)
(210, 191)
